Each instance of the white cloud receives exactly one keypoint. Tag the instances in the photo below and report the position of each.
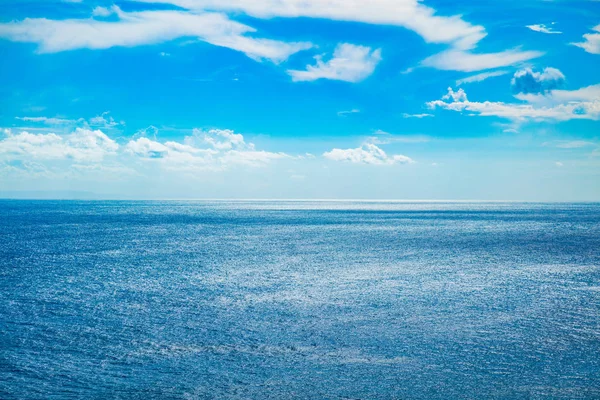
(348, 112)
(223, 139)
(591, 44)
(543, 29)
(559, 164)
(103, 120)
(47, 121)
(387, 138)
(83, 145)
(145, 27)
(146, 148)
(460, 35)
(527, 81)
(410, 14)
(480, 77)
(552, 107)
(350, 63)
(459, 60)
(569, 144)
(368, 153)
(555, 97)
(419, 116)
(103, 11)
(226, 148)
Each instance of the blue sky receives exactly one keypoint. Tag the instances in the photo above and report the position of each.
(385, 99)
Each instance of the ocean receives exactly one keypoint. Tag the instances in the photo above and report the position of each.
(299, 300)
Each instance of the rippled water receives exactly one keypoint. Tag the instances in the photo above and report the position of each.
(306, 300)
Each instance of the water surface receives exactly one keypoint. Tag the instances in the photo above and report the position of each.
(299, 300)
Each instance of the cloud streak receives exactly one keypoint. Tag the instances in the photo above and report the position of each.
(543, 29)
(461, 36)
(557, 106)
(480, 77)
(143, 28)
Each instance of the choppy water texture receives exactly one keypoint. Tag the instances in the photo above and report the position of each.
(299, 300)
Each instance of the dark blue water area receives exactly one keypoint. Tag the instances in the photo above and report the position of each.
(299, 300)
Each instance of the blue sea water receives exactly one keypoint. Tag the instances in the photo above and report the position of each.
(299, 300)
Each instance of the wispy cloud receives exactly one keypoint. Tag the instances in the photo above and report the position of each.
(569, 144)
(410, 14)
(556, 105)
(419, 116)
(543, 29)
(480, 77)
(591, 42)
(348, 112)
(349, 63)
(461, 36)
(146, 27)
(382, 138)
(459, 60)
(47, 120)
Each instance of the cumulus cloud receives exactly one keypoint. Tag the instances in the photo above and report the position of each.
(142, 28)
(527, 81)
(480, 77)
(591, 42)
(204, 150)
(552, 107)
(83, 145)
(223, 148)
(223, 139)
(350, 63)
(368, 153)
(543, 29)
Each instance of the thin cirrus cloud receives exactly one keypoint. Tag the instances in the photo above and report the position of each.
(591, 42)
(480, 77)
(368, 153)
(146, 27)
(569, 144)
(103, 120)
(461, 36)
(418, 116)
(350, 63)
(465, 61)
(543, 29)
